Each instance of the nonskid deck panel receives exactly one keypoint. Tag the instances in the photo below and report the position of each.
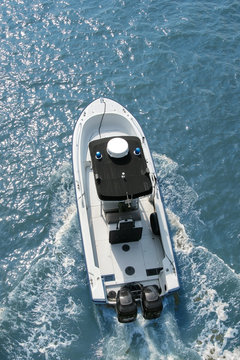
(143, 259)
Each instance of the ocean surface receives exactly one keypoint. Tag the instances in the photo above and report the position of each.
(175, 65)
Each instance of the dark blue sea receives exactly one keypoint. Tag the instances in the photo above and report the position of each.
(175, 65)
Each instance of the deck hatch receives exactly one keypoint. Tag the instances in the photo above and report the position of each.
(107, 278)
(154, 271)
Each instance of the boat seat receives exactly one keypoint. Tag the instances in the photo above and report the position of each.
(125, 232)
(115, 217)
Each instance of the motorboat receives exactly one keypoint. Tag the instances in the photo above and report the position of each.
(127, 246)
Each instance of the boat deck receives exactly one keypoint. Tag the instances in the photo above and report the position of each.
(144, 256)
(119, 244)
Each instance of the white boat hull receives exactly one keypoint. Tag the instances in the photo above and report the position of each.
(149, 261)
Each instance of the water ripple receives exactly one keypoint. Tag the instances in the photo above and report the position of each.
(175, 65)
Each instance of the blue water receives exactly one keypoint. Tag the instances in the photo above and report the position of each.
(176, 66)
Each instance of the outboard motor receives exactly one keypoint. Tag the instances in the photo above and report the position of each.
(151, 302)
(126, 306)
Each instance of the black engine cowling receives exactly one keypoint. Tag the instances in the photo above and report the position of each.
(151, 302)
(126, 306)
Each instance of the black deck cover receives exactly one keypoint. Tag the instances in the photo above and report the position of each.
(108, 171)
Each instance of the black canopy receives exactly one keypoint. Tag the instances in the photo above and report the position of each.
(111, 183)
